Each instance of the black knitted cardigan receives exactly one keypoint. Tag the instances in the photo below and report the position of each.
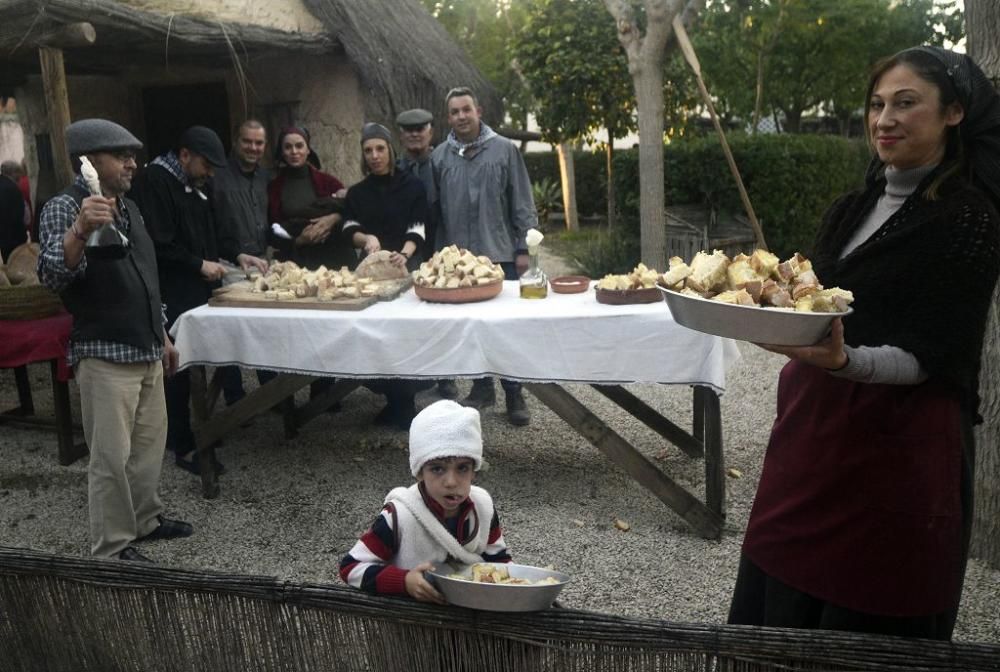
(923, 282)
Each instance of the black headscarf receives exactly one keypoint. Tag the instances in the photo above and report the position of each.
(979, 129)
(312, 158)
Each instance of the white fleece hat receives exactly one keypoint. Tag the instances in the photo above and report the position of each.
(445, 429)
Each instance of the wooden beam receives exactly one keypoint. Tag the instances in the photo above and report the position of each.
(57, 104)
(706, 522)
(70, 35)
(519, 134)
(650, 417)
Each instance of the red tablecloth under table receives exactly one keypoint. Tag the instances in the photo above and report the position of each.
(27, 341)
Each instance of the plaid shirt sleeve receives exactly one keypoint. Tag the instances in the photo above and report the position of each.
(57, 216)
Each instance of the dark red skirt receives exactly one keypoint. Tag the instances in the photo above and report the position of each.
(859, 503)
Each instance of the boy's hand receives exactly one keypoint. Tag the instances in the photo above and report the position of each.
(418, 588)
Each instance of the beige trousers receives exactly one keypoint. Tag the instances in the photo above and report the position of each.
(125, 424)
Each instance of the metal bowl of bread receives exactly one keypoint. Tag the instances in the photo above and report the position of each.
(456, 275)
(755, 298)
(490, 586)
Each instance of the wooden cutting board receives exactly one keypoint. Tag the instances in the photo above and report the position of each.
(240, 295)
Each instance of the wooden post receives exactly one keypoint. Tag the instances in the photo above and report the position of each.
(567, 175)
(57, 104)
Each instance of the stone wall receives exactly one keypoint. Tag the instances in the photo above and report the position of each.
(320, 92)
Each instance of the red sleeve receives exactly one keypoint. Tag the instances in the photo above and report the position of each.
(324, 183)
(391, 581)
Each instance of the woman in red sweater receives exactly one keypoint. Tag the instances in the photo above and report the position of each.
(306, 202)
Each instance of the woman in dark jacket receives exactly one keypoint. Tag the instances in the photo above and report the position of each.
(306, 203)
(388, 210)
(862, 517)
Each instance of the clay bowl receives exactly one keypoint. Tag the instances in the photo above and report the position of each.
(570, 284)
(459, 294)
(623, 297)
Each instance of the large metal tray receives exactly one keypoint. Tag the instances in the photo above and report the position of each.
(773, 326)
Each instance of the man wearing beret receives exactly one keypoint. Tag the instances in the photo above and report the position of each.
(416, 131)
(486, 206)
(119, 348)
(172, 193)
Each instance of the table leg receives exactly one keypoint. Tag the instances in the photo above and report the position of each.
(209, 428)
(204, 447)
(697, 417)
(328, 398)
(706, 522)
(715, 475)
(26, 406)
(69, 452)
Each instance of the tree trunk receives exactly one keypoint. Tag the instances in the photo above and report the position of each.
(982, 19)
(567, 175)
(646, 54)
(652, 183)
(758, 100)
(793, 120)
(609, 171)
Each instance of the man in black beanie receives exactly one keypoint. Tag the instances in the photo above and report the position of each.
(172, 193)
(119, 348)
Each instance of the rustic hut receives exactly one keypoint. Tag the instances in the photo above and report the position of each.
(158, 66)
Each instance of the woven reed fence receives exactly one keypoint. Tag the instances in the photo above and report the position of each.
(77, 614)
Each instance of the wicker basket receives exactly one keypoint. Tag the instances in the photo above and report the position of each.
(28, 302)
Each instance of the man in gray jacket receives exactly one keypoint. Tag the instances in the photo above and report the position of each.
(485, 206)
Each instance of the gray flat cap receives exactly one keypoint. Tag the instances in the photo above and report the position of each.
(414, 117)
(94, 135)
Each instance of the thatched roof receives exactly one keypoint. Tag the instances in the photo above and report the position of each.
(127, 35)
(402, 55)
(405, 57)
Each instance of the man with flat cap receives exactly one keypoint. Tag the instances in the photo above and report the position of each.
(416, 131)
(119, 348)
(173, 196)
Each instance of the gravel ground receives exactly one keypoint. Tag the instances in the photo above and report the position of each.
(293, 508)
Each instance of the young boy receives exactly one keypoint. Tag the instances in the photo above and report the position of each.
(443, 516)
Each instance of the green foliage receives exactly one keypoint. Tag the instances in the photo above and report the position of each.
(812, 54)
(484, 28)
(547, 196)
(591, 178)
(791, 180)
(577, 71)
(607, 252)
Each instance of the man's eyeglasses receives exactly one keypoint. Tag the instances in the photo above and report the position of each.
(124, 156)
(413, 128)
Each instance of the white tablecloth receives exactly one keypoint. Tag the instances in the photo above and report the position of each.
(564, 338)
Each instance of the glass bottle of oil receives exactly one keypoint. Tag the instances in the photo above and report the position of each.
(534, 283)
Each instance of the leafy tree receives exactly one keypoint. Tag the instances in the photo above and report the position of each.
(577, 73)
(808, 54)
(484, 28)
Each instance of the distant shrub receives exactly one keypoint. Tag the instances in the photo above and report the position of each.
(791, 180)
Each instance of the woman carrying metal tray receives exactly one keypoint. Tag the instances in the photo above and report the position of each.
(862, 517)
